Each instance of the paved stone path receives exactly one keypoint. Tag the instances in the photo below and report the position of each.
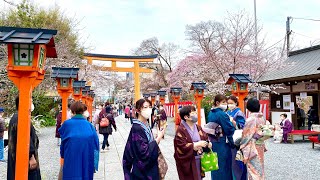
(296, 161)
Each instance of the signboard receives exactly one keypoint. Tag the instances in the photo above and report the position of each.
(286, 101)
(278, 105)
(310, 86)
(292, 107)
(303, 95)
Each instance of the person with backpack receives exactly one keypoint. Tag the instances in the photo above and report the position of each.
(223, 143)
(106, 120)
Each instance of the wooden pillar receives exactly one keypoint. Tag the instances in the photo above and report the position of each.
(64, 96)
(294, 116)
(23, 129)
(136, 81)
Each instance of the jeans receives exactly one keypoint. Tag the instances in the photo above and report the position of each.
(105, 140)
(1, 149)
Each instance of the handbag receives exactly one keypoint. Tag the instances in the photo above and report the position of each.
(209, 161)
(104, 121)
(163, 166)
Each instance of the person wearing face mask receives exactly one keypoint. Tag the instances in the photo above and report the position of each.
(189, 143)
(224, 143)
(106, 131)
(162, 117)
(239, 170)
(34, 168)
(140, 157)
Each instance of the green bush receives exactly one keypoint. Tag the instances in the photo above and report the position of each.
(206, 104)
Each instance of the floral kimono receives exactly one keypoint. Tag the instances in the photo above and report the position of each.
(253, 147)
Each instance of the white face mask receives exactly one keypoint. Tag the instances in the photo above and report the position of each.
(86, 114)
(146, 113)
(223, 106)
(232, 106)
(32, 107)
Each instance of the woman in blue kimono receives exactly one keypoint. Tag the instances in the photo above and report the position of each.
(223, 144)
(79, 143)
(239, 169)
(140, 157)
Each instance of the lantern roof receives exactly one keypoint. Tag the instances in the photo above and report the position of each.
(198, 85)
(14, 35)
(240, 78)
(79, 84)
(62, 72)
(146, 95)
(153, 94)
(162, 93)
(87, 88)
(175, 89)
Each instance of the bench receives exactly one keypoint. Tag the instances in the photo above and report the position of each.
(301, 133)
(314, 140)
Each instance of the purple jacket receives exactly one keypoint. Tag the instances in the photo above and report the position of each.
(286, 126)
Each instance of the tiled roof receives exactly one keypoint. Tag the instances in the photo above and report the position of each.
(79, 84)
(301, 63)
(13, 35)
(240, 78)
(198, 85)
(162, 93)
(62, 72)
(175, 89)
(153, 56)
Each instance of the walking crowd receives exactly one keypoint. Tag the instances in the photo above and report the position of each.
(230, 146)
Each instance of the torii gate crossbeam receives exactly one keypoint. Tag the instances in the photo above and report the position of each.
(136, 69)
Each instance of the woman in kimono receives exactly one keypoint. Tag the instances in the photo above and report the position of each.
(252, 143)
(189, 142)
(239, 170)
(140, 157)
(58, 125)
(79, 143)
(34, 168)
(224, 143)
(286, 126)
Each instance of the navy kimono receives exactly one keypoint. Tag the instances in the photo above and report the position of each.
(239, 169)
(223, 145)
(79, 141)
(140, 157)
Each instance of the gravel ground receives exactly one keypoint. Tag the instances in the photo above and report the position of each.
(296, 161)
(48, 155)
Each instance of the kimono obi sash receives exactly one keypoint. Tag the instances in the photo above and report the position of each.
(146, 129)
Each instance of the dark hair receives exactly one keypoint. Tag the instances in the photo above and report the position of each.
(253, 105)
(185, 111)
(17, 103)
(100, 105)
(139, 105)
(69, 105)
(77, 108)
(106, 104)
(234, 99)
(85, 107)
(284, 115)
(219, 98)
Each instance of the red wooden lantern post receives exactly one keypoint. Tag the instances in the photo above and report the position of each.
(27, 52)
(77, 89)
(85, 95)
(162, 96)
(64, 77)
(153, 98)
(146, 95)
(175, 93)
(239, 87)
(198, 88)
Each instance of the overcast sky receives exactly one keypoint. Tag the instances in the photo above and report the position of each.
(118, 26)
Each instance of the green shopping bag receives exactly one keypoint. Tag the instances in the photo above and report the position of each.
(209, 161)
